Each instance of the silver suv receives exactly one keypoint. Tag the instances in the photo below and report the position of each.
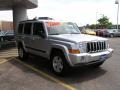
(62, 43)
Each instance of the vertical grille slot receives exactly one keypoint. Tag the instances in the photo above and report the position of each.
(96, 46)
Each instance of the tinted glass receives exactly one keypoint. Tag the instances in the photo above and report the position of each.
(20, 28)
(27, 29)
(38, 29)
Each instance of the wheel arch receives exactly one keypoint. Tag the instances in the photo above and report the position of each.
(112, 34)
(63, 49)
(21, 44)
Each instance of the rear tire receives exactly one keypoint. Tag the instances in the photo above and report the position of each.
(111, 35)
(22, 54)
(59, 64)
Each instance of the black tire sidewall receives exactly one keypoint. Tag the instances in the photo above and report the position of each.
(111, 35)
(65, 64)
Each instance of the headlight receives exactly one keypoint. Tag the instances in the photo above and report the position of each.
(82, 47)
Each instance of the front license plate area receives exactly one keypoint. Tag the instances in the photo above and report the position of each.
(103, 57)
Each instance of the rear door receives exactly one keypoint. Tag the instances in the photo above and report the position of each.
(20, 32)
(27, 35)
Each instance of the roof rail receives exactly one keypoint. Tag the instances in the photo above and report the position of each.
(38, 18)
(43, 18)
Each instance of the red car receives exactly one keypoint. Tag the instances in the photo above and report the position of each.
(101, 32)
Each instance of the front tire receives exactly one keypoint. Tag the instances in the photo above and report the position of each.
(111, 35)
(59, 64)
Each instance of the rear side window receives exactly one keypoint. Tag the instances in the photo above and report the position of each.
(27, 28)
(20, 29)
(38, 28)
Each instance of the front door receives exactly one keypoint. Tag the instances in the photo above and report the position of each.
(38, 40)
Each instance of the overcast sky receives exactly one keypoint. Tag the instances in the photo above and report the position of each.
(80, 11)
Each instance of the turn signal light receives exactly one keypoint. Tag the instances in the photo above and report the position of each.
(74, 51)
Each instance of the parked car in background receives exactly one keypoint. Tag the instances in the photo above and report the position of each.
(108, 32)
(101, 32)
(6, 31)
(89, 31)
(6, 35)
(9, 35)
(2, 34)
(112, 33)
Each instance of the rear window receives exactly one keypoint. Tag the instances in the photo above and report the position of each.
(27, 28)
(20, 28)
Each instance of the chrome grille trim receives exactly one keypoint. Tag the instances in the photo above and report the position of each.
(92, 47)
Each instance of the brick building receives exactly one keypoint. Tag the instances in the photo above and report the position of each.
(6, 26)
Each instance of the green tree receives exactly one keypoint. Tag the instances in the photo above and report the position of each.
(103, 22)
(92, 26)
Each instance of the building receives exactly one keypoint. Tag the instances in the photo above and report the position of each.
(19, 8)
(6, 26)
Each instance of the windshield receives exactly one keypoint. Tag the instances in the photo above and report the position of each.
(56, 28)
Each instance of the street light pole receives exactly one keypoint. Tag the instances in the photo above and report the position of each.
(96, 20)
(117, 2)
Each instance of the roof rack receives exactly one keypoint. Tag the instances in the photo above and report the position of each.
(43, 18)
(27, 20)
(38, 18)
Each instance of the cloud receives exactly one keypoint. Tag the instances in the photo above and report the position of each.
(6, 15)
(81, 11)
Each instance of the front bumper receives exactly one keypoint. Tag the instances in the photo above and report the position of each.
(89, 58)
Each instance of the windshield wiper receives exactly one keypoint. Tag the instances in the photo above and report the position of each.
(55, 34)
(74, 33)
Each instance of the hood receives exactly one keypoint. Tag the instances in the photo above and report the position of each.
(76, 38)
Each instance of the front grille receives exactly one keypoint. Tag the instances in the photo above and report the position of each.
(96, 46)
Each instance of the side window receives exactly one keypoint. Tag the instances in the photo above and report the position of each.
(27, 28)
(38, 29)
(20, 28)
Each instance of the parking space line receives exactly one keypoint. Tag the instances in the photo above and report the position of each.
(67, 86)
(3, 61)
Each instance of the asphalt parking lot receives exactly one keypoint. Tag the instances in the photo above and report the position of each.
(34, 73)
